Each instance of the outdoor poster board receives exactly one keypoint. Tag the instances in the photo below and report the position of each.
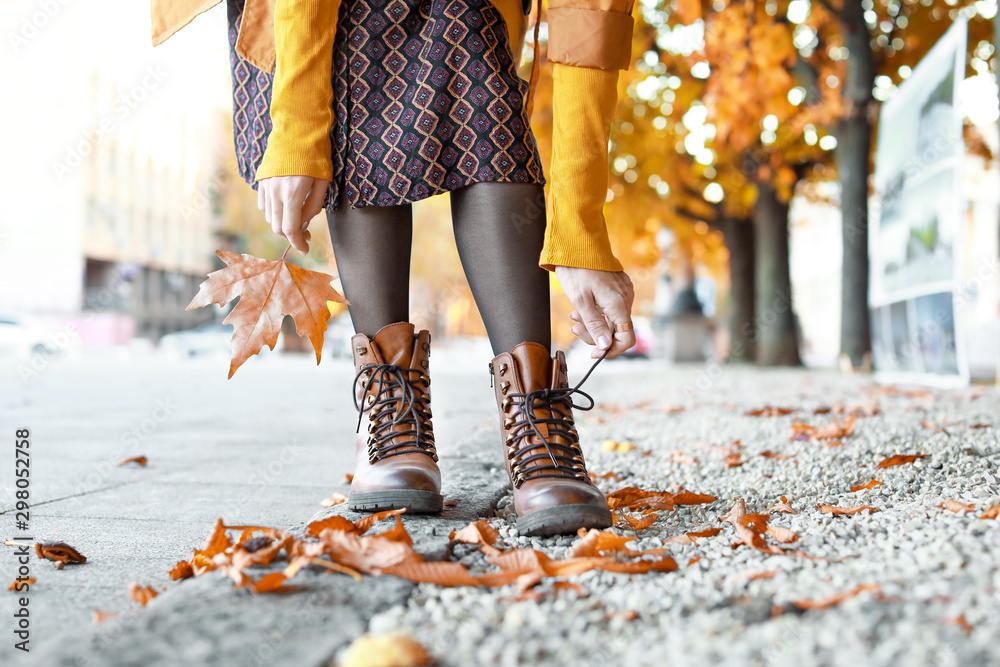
(916, 223)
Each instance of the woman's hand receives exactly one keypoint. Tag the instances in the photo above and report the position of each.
(602, 299)
(289, 203)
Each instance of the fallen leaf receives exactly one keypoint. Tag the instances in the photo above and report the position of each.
(980, 426)
(267, 291)
(772, 455)
(640, 524)
(830, 431)
(835, 599)
(101, 616)
(451, 503)
(624, 614)
(900, 459)
(612, 476)
(268, 583)
(693, 536)
(141, 594)
(141, 460)
(733, 460)
(754, 576)
(870, 485)
(596, 542)
(831, 509)
(335, 499)
(991, 513)
(349, 478)
(693, 560)
(60, 552)
(367, 522)
(783, 507)
(960, 622)
(333, 522)
(769, 412)
(370, 553)
(834, 443)
(478, 532)
(782, 535)
(736, 512)
(182, 570)
(390, 650)
(688, 498)
(18, 582)
(569, 586)
(956, 507)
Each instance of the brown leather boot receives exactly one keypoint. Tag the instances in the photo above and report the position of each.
(395, 461)
(552, 492)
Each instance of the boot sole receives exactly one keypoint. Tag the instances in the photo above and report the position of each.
(415, 502)
(563, 519)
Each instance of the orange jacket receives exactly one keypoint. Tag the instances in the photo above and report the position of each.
(589, 41)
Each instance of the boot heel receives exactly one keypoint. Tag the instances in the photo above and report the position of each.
(415, 502)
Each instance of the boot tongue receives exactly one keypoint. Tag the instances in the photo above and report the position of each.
(395, 343)
(534, 365)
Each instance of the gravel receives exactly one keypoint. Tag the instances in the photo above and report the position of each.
(931, 565)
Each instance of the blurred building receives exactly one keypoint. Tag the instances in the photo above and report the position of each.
(111, 167)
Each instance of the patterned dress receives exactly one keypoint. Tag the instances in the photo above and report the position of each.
(426, 100)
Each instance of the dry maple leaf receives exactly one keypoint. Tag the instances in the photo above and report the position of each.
(60, 552)
(182, 570)
(864, 487)
(783, 507)
(268, 291)
(835, 599)
(392, 649)
(832, 509)
(956, 507)
(334, 522)
(900, 459)
(141, 594)
(991, 513)
(101, 616)
(141, 460)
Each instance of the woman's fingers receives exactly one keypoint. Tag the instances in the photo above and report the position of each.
(291, 226)
(314, 202)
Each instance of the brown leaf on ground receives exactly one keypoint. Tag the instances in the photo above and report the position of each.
(822, 411)
(451, 503)
(624, 614)
(960, 622)
(365, 523)
(478, 532)
(182, 570)
(991, 513)
(336, 567)
(782, 535)
(832, 509)
(693, 560)
(980, 426)
(836, 598)
(767, 453)
(830, 431)
(397, 533)
(392, 650)
(770, 412)
(735, 513)
(640, 566)
(754, 576)
(20, 582)
(834, 443)
(693, 536)
(560, 586)
(333, 522)
(596, 542)
(370, 553)
(267, 583)
(864, 487)
(267, 291)
(900, 459)
(639, 524)
(733, 460)
(336, 499)
(956, 506)
(683, 497)
(141, 460)
(59, 552)
(101, 616)
(783, 507)
(349, 478)
(141, 594)
(612, 476)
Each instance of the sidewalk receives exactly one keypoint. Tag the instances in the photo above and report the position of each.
(263, 449)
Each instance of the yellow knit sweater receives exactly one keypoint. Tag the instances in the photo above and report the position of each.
(584, 100)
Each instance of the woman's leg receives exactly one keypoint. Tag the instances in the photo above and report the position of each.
(372, 249)
(500, 229)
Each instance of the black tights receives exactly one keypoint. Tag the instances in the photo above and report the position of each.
(499, 229)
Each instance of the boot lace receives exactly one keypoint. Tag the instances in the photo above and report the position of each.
(395, 399)
(524, 438)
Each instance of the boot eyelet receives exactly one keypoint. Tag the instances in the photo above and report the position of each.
(509, 441)
(371, 427)
(504, 386)
(505, 405)
(361, 351)
(508, 422)
(369, 399)
(503, 369)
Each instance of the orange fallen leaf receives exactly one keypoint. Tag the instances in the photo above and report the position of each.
(900, 459)
(991, 513)
(980, 426)
(268, 583)
(693, 560)
(478, 532)
(870, 485)
(336, 499)
(783, 507)
(141, 594)
(834, 443)
(141, 460)
(693, 536)
(19, 582)
(349, 478)
(733, 460)
(735, 513)
(640, 524)
(182, 570)
(961, 622)
(769, 412)
(596, 542)
(782, 535)
(451, 503)
(60, 552)
(267, 291)
(101, 616)
(367, 522)
(334, 522)
(832, 509)
(830, 431)
(688, 498)
(836, 598)
(624, 614)
(754, 576)
(773, 455)
(956, 507)
(569, 586)
(369, 554)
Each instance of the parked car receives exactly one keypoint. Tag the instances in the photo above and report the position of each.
(23, 336)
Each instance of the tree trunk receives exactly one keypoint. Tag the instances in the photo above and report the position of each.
(853, 150)
(774, 323)
(739, 242)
